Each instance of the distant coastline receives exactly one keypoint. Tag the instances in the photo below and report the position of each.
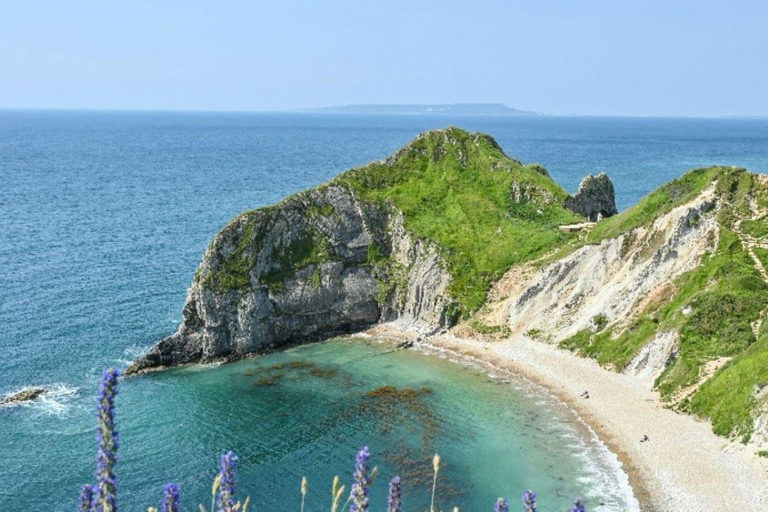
(481, 109)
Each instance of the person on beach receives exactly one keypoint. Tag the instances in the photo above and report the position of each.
(585, 394)
(644, 439)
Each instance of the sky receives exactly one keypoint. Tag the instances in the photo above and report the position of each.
(599, 57)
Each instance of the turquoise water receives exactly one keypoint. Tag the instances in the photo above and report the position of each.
(103, 218)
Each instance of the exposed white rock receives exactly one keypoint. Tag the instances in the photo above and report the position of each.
(648, 364)
(614, 277)
(422, 301)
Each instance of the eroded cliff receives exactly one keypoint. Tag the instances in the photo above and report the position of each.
(416, 239)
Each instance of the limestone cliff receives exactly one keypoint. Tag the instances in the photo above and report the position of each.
(310, 266)
(392, 241)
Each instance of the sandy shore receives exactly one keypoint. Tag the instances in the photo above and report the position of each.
(683, 466)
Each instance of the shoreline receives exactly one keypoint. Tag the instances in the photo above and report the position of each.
(683, 466)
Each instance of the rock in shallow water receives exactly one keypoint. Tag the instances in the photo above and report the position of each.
(25, 395)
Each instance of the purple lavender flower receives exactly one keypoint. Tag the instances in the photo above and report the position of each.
(578, 505)
(228, 480)
(395, 497)
(529, 501)
(171, 498)
(108, 442)
(501, 505)
(362, 478)
(87, 493)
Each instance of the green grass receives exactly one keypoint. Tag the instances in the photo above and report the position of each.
(727, 398)
(762, 255)
(454, 188)
(483, 328)
(755, 228)
(610, 352)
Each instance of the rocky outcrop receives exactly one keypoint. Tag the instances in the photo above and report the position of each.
(419, 300)
(320, 262)
(24, 395)
(595, 199)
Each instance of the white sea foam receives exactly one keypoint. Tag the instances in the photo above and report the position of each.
(56, 401)
(131, 354)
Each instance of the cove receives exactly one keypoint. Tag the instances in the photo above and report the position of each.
(305, 411)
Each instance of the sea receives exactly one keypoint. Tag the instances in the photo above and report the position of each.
(104, 217)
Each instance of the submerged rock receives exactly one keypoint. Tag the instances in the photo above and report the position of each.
(24, 395)
(595, 199)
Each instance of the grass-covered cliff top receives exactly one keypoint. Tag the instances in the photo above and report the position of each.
(484, 210)
(487, 211)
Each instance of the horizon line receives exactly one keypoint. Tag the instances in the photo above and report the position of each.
(316, 111)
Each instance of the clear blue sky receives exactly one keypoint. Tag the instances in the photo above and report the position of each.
(612, 57)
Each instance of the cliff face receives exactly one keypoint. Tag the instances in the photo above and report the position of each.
(313, 265)
(611, 279)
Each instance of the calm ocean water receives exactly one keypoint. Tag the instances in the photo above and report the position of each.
(103, 219)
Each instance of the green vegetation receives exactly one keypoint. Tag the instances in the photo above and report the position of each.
(755, 228)
(483, 328)
(614, 353)
(311, 249)
(233, 273)
(325, 210)
(727, 398)
(455, 188)
(762, 255)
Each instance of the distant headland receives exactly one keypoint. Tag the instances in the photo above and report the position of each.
(481, 109)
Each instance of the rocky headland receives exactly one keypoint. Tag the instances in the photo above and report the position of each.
(377, 244)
